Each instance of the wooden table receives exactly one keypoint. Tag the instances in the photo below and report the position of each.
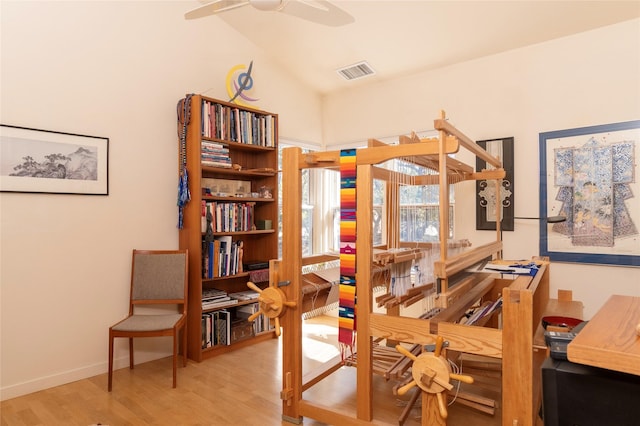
(609, 339)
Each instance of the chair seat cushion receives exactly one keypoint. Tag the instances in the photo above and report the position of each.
(148, 322)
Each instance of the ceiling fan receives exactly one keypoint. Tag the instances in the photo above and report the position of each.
(318, 11)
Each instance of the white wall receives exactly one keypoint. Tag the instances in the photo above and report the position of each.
(587, 79)
(116, 70)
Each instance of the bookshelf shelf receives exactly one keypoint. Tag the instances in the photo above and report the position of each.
(238, 233)
(228, 277)
(230, 305)
(237, 199)
(240, 146)
(209, 171)
(244, 142)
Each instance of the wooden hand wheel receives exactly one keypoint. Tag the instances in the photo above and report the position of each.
(431, 373)
(272, 302)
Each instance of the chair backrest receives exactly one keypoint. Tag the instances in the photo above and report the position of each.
(159, 277)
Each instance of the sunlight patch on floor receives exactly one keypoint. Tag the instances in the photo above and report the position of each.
(320, 342)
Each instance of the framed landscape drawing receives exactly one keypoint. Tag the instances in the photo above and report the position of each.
(590, 176)
(45, 161)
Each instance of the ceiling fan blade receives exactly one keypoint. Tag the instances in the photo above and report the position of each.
(213, 7)
(319, 11)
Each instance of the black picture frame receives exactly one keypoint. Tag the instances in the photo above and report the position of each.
(46, 161)
(485, 190)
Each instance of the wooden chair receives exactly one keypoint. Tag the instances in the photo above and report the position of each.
(158, 277)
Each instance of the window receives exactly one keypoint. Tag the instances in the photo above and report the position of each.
(419, 207)
(307, 205)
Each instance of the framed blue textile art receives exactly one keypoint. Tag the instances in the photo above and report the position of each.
(590, 176)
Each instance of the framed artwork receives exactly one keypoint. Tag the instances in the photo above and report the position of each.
(45, 161)
(486, 196)
(590, 176)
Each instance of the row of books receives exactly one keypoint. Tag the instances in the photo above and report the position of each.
(227, 217)
(261, 323)
(214, 155)
(222, 257)
(216, 328)
(224, 326)
(232, 124)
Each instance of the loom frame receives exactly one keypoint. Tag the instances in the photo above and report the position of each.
(524, 298)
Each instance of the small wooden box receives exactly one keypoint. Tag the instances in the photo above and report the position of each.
(240, 330)
(263, 224)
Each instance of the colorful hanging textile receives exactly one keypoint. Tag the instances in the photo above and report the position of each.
(184, 196)
(347, 302)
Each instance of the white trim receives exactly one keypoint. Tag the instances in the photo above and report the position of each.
(69, 376)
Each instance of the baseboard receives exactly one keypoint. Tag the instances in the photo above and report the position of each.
(62, 378)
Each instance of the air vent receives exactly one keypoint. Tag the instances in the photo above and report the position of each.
(359, 70)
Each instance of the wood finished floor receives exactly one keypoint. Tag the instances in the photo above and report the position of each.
(237, 388)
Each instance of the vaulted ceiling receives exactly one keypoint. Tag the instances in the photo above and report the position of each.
(403, 37)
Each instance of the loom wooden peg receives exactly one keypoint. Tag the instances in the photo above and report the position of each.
(427, 377)
(462, 377)
(432, 376)
(276, 321)
(404, 389)
(287, 393)
(253, 316)
(439, 344)
(254, 287)
(405, 352)
(442, 406)
(267, 301)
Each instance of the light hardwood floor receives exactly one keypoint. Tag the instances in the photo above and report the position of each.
(237, 388)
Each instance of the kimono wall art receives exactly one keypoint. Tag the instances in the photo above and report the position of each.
(590, 176)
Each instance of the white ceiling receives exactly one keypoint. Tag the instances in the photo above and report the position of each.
(403, 37)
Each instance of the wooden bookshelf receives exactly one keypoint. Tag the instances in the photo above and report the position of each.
(251, 145)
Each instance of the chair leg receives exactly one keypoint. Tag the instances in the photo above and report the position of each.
(131, 353)
(110, 362)
(175, 355)
(184, 345)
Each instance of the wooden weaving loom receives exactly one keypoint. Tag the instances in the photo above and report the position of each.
(523, 298)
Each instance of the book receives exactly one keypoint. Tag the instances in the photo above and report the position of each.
(245, 295)
(225, 252)
(222, 327)
(208, 293)
(256, 265)
(219, 304)
(216, 299)
(217, 164)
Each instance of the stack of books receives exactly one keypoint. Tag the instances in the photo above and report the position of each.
(214, 298)
(214, 155)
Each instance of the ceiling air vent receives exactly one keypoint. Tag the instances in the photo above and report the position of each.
(355, 71)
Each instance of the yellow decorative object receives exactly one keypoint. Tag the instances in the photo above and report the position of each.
(236, 90)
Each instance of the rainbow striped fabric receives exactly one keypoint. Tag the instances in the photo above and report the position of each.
(347, 308)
